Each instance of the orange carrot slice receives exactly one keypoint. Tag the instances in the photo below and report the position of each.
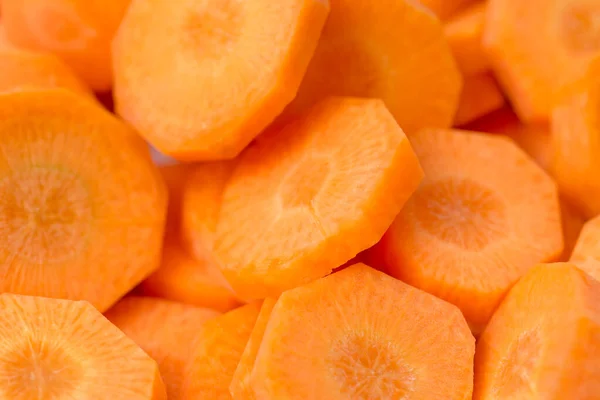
(364, 52)
(240, 387)
(61, 349)
(308, 198)
(163, 329)
(480, 96)
(588, 244)
(549, 47)
(476, 224)
(202, 79)
(542, 342)
(576, 144)
(334, 339)
(219, 345)
(78, 31)
(464, 33)
(445, 9)
(22, 69)
(82, 208)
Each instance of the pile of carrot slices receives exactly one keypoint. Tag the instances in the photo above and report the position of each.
(300, 199)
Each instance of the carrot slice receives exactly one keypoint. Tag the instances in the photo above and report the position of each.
(576, 143)
(308, 198)
(78, 31)
(334, 339)
(240, 387)
(445, 9)
(464, 33)
(588, 244)
(549, 48)
(364, 52)
(165, 330)
(82, 208)
(219, 346)
(542, 342)
(480, 96)
(202, 79)
(62, 349)
(476, 224)
(22, 69)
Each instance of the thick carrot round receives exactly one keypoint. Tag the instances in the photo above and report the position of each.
(307, 198)
(542, 342)
(165, 330)
(484, 214)
(360, 334)
(62, 349)
(219, 346)
(394, 50)
(201, 79)
(82, 208)
(538, 47)
(78, 31)
(480, 96)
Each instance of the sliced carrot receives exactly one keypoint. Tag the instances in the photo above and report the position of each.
(483, 215)
(78, 31)
(334, 339)
(464, 33)
(549, 47)
(480, 96)
(82, 208)
(62, 349)
(22, 69)
(240, 387)
(308, 198)
(219, 346)
(445, 9)
(395, 51)
(187, 280)
(165, 330)
(542, 342)
(576, 144)
(201, 80)
(588, 244)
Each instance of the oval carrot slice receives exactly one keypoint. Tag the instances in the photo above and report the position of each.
(483, 215)
(61, 349)
(308, 198)
(219, 346)
(446, 8)
(549, 47)
(165, 330)
(480, 96)
(334, 339)
(202, 79)
(78, 31)
(364, 52)
(543, 341)
(82, 208)
(22, 70)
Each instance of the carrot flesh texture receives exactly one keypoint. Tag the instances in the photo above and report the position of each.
(240, 387)
(78, 31)
(475, 225)
(28, 70)
(219, 347)
(542, 342)
(289, 192)
(364, 52)
(62, 349)
(79, 199)
(165, 330)
(464, 33)
(334, 339)
(480, 96)
(209, 105)
(539, 47)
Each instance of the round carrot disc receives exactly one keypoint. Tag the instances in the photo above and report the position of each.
(306, 199)
(82, 207)
(201, 79)
(360, 334)
(62, 349)
(483, 215)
